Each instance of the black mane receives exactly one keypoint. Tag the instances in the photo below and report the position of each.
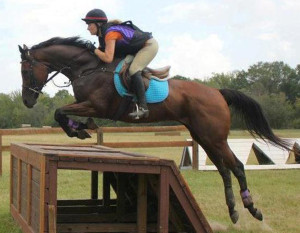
(74, 41)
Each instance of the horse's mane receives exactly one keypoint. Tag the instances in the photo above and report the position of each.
(74, 41)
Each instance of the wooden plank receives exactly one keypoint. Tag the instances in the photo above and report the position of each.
(52, 218)
(97, 227)
(142, 204)
(193, 212)
(87, 202)
(29, 193)
(142, 129)
(163, 202)
(147, 144)
(142, 168)
(12, 158)
(42, 195)
(21, 221)
(19, 185)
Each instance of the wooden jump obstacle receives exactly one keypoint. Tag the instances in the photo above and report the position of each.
(100, 138)
(151, 194)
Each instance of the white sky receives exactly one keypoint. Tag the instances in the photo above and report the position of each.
(196, 37)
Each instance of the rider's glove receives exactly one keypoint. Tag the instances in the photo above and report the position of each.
(90, 46)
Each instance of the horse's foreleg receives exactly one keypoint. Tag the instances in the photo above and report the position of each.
(75, 128)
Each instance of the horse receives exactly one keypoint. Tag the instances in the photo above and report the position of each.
(203, 110)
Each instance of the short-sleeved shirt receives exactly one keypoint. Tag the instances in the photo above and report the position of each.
(113, 36)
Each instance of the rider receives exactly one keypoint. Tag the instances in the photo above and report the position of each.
(120, 39)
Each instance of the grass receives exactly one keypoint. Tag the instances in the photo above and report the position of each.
(276, 193)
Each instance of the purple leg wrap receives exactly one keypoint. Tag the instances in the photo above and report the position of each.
(245, 194)
(73, 124)
(246, 197)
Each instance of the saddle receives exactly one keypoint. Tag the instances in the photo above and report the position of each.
(147, 74)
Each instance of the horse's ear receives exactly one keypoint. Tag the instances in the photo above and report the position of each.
(20, 49)
(25, 47)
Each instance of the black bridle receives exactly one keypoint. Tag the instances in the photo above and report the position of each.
(33, 86)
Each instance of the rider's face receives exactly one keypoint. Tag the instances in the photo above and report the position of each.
(92, 28)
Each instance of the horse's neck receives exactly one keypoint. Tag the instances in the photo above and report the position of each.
(76, 58)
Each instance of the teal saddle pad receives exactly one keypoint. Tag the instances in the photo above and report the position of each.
(157, 91)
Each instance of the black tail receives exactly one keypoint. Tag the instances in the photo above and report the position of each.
(253, 117)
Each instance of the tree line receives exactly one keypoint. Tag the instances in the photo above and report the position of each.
(275, 85)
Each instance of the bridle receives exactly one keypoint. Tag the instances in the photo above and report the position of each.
(33, 85)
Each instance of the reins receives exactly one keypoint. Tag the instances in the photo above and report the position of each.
(84, 73)
(32, 62)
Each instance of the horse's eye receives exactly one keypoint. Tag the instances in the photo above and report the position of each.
(24, 72)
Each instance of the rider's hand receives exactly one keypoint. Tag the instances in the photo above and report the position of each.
(90, 46)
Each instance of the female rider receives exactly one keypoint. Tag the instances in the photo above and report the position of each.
(120, 39)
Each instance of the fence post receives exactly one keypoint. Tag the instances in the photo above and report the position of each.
(99, 136)
(195, 155)
(0, 154)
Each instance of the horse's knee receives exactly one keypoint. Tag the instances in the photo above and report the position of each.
(57, 114)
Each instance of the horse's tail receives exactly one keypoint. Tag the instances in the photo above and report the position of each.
(253, 116)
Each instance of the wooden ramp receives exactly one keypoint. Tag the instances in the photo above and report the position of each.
(151, 194)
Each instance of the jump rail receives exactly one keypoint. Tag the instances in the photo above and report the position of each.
(100, 138)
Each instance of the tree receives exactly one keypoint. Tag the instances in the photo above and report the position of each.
(266, 78)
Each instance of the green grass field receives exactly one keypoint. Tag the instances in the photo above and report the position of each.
(276, 193)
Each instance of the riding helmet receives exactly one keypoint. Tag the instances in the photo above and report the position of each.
(95, 16)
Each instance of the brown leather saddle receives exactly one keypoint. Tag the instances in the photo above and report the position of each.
(147, 73)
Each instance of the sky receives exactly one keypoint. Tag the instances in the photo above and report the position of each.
(196, 37)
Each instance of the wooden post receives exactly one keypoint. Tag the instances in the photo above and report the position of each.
(195, 155)
(19, 185)
(99, 136)
(52, 206)
(142, 204)
(106, 188)
(164, 202)
(94, 185)
(0, 154)
(52, 218)
(29, 193)
(42, 193)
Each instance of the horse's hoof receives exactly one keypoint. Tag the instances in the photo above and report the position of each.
(82, 134)
(234, 216)
(258, 215)
(91, 124)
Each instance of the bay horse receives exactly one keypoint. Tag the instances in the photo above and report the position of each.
(203, 110)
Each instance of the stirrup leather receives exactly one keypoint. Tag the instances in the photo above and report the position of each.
(139, 113)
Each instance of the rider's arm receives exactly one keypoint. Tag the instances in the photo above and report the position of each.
(110, 43)
(108, 55)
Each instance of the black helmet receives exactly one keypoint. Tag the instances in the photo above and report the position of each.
(95, 16)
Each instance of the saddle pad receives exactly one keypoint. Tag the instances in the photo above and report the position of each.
(157, 92)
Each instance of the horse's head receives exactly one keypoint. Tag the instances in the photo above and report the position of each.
(34, 76)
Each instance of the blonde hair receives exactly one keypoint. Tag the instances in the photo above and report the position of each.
(115, 21)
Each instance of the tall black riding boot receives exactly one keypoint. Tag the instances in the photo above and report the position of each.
(139, 89)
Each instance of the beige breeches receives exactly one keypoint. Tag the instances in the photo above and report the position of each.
(144, 56)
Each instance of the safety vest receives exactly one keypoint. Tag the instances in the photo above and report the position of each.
(133, 38)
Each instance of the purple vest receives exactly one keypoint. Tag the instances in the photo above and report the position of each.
(133, 38)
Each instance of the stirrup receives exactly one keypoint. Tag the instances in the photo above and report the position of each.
(139, 113)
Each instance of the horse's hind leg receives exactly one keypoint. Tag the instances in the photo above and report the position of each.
(226, 177)
(239, 173)
(229, 196)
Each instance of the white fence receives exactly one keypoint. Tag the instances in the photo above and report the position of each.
(244, 150)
